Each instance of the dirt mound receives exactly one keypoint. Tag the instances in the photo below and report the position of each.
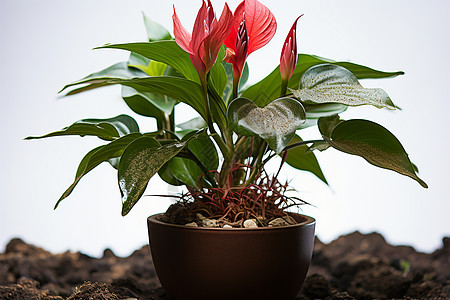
(354, 266)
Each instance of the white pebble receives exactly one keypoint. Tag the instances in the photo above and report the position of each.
(227, 226)
(200, 217)
(250, 223)
(209, 223)
(278, 222)
(192, 224)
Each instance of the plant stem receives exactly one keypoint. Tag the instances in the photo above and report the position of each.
(172, 120)
(257, 164)
(301, 143)
(217, 138)
(228, 158)
(206, 172)
(293, 146)
(166, 123)
(236, 78)
(206, 101)
(283, 159)
(284, 84)
(225, 146)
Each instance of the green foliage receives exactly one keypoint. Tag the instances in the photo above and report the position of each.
(100, 78)
(237, 125)
(178, 88)
(98, 155)
(155, 32)
(148, 104)
(167, 52)
(302, 159)
(192, 169)
(372, 142)
(106, 129)
(218, 75)
(139, 162)
(268, 89)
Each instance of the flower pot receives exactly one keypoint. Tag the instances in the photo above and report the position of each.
(248, 263)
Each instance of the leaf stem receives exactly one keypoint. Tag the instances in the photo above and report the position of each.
(217, 138)
(206, 172)
(206, 101)
(301, 143)
(257, 164)
(284, 84)
(236, 78)
(297, 144)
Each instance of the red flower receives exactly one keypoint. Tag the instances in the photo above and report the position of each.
(288, 59)
(254, 26)
(207, 37)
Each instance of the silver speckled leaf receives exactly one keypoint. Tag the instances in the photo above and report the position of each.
(328, 83)
(139, 162)
(275, 123)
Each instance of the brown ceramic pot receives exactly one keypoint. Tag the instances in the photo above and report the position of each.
(214, 263)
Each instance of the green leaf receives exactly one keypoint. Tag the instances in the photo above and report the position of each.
(374, 143)
(177, 88)
(153, 68)
(217, 80)
(155, 32)
(193, 124)
(166, 174)
(186, 171)
(316, 111)
(327, 124)
(156, 68)
(217, 108)
(276, 123)
(268, 88)
(136, 60)
(148, 104)
(98, 155)
(95, 80)
(141, 104)
(318, 146)
(328, 83)
(302, 159)
(106, 129)
(203, 148)
(244, 76)
(167, 52)
(123, 123)
(228, 92)
(139, 162)
(217, 76)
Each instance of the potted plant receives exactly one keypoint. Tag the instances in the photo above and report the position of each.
(232, 234)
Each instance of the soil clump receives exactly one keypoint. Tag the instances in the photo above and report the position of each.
(355, 266)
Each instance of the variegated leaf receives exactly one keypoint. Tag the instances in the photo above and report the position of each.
(276, 123)
(139, 162)
(327, 83)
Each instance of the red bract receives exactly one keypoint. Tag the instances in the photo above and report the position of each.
(207, 36)
(254, 26)
(288, 59)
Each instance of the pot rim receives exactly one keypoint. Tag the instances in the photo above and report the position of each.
(310, 221)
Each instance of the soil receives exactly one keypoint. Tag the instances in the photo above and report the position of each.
(355, 266)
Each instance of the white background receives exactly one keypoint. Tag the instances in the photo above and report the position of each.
(46, 44)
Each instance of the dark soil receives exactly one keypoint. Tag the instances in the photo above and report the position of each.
(355, 266)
